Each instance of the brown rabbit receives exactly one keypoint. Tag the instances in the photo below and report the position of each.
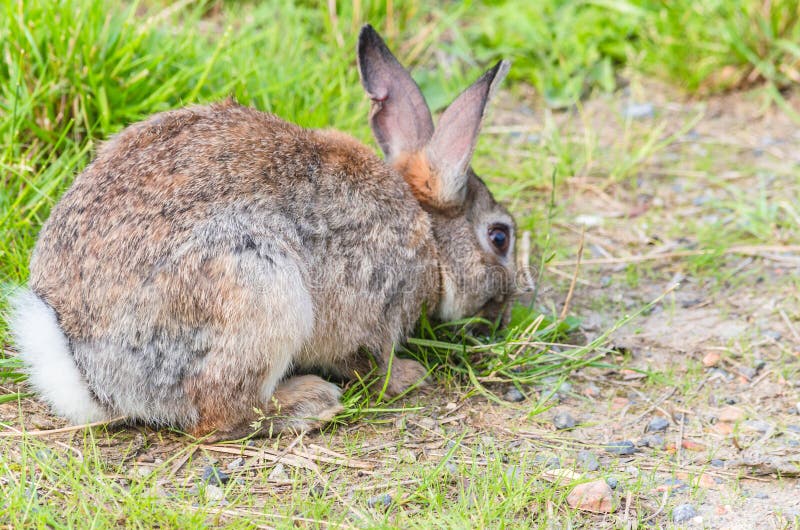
(211, 256)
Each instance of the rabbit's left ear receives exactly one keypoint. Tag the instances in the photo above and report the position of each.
(400, 119)
(449, 151)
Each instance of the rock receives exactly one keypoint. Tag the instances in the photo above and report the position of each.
(212, 475)
(563, 420)
(793, 428)
(278, 473)
(384, 500)
(639, 111)
(772, 334)
(407, 456)
(730, 414)
(760, 495)
(747, 372)
(145, 458)
(513, 395)
(595, 496)
(235, 463)
(591, 391)
(716, 462)
(549, 461)
(143, 471)
(683, 513)
(654, 441)
(624, 447)
(587, 461)
(757, 426)
(214, 493)
(711, 359)
(759, 364)
(632, 471)
(657, 424)
(612, 482)
(674, 484)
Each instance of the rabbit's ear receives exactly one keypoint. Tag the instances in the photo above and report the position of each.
(400, 119)
(450, 150)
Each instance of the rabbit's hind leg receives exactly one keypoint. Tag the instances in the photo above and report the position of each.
(300, 403)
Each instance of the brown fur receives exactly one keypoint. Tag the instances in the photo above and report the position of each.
(210, 257)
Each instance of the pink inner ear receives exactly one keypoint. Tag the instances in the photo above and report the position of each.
(400, 119)
(451, 147)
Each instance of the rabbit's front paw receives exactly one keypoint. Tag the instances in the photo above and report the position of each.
(404, 374)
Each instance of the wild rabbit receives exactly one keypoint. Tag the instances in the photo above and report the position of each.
(211, 257)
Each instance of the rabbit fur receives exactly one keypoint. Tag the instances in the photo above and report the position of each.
(211, 259)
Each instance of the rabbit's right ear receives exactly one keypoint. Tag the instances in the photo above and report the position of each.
(400, 118)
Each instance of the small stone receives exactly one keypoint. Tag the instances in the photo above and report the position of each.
(145, 458)
(513, 395)
(143, 471)
(591, 391)
(612, 482)
(759, 364)
(757, 426)
(654, 441)
(214, 493)
(674, 484)
(772, 334)
(235, 463)
(683, 513)
(632, 471)
(549, 461)
(514, 475)
(760, 495)
(212, 475)
(639, 111)
(383, 500)
(623, 447)
(563, 420)
(730, 414)
(657, 424)
(587, 460)
(711, 359)
(793, 428)
(716, 462)
(278, 473)
(747, 372)
(407, 456)
(428, 423)
(595, 496)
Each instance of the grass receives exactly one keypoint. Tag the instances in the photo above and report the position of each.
(73, 72)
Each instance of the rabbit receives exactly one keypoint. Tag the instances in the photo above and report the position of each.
(212, 262)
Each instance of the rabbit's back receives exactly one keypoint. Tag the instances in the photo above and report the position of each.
(197, 217)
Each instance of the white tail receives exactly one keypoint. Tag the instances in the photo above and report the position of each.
(49, 363)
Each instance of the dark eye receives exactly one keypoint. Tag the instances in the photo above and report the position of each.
(499, 237)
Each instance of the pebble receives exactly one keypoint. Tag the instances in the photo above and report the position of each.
(683, 513)
(624, 447)
(759, 364)
(760, 495)
(747, 372)
(772, 334)
(214, 493)
(639, 111)
(214, 476)
(657, 424)
(655, 441)
(278, 473)
(716, 462)
(550, 462)
(587, 460)
(236, 463)
(563, 420)
(675, 484)
(384, 500)
(757, 425)
(612, 482)
(514, 395)
(143, 471)
(793, 428)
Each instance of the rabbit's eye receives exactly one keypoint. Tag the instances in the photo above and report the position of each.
(499, 236)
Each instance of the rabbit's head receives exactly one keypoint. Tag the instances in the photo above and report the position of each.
(474, 234)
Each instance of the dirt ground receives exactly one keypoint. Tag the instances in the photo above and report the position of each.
(718, 358)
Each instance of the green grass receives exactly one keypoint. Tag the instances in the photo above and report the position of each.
(73, 72)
